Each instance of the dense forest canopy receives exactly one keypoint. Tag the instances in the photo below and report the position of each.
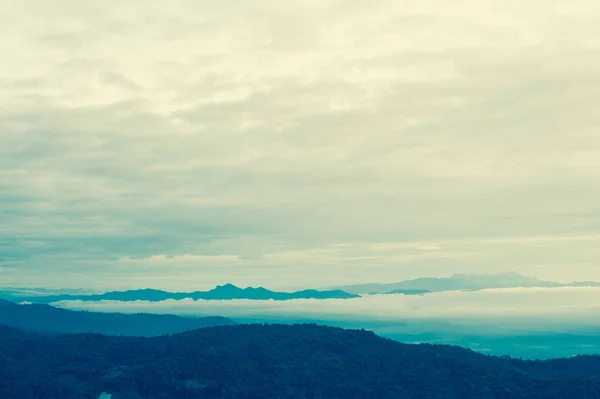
(274, 361)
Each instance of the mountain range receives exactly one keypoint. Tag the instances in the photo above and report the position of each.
(47, 318)
(23, 292)
(221, 292)
(458, 282)
(419, 286)
(274, 361)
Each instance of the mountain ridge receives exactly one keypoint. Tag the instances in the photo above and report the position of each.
(275, 361)
(46, 318)
(459, 281)
(228, 291)
(220, 292)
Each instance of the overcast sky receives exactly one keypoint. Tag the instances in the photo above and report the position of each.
(183, 144)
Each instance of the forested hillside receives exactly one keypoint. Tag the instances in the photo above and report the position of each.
(51, 319)
(273, 361)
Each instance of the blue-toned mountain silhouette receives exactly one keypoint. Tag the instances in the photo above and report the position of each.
(458, 282)
(47, 318)
(221, 292)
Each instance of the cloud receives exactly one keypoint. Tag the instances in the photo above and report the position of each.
(518, 309)
(267, 134)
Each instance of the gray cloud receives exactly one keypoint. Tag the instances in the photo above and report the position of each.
(269, 134)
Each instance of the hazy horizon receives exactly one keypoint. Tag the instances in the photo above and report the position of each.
(82, 288)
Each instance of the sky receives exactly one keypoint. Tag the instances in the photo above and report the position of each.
(305, 143)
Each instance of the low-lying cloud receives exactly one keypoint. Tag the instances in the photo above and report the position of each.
(555, 309)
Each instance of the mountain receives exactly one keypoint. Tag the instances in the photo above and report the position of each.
(48, 318)
(221, 292)
(461, 282)
(275, 361)
(230, 291)
(15, 294)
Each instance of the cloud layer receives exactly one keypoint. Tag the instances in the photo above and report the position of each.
(519, 309)
(305, 143)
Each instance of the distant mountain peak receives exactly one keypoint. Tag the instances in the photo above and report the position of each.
(228, 286)
(226, 289)
(456, 282)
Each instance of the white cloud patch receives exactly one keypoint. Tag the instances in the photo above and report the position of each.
(525, 309)
(192, 143)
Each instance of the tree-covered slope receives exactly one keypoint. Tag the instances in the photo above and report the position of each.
(273, 361)
(50, 319)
